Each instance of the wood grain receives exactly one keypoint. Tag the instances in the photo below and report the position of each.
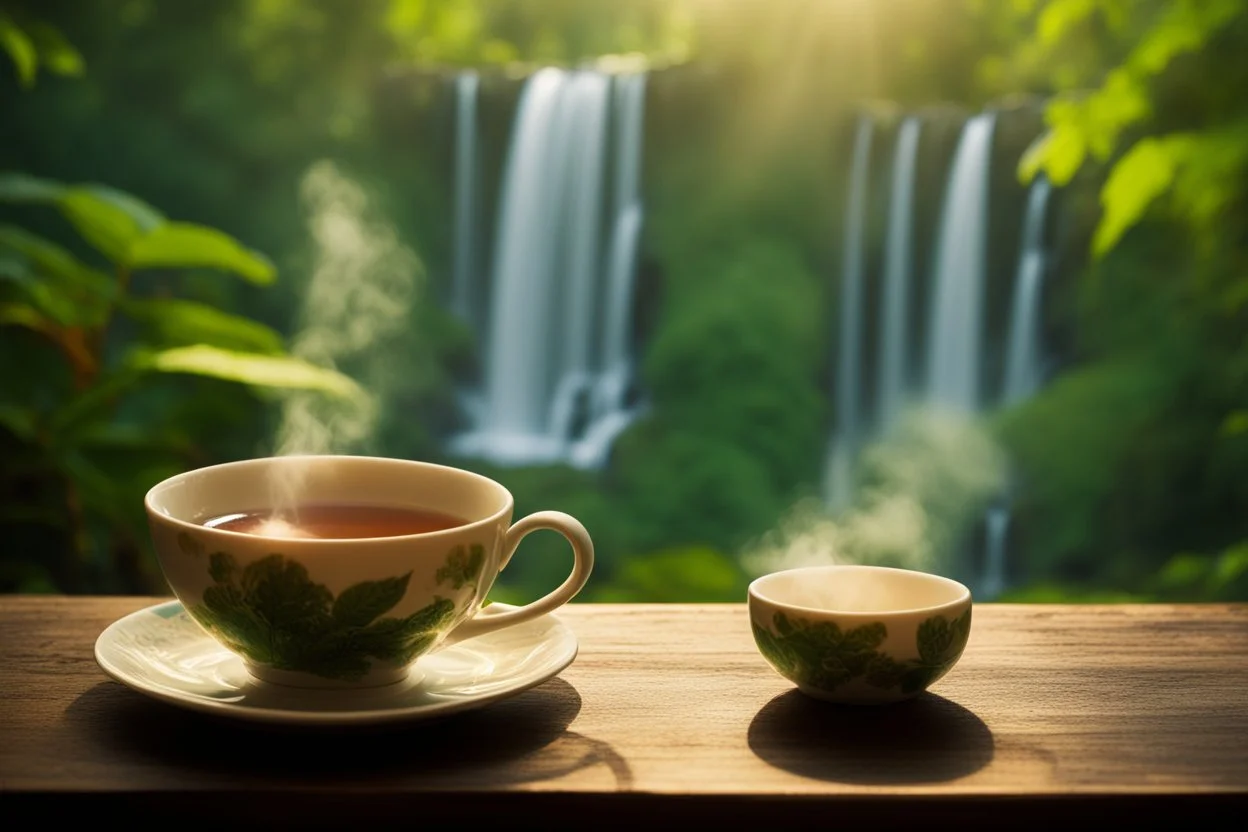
(1053, 713)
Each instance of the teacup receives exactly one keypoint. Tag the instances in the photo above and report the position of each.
(860, 634)
(346, 612)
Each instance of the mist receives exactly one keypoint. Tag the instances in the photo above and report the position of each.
(362, 286)
(921, 488)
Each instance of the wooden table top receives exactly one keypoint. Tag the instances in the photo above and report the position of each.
(669, 713)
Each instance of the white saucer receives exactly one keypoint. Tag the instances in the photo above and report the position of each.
(161, 652)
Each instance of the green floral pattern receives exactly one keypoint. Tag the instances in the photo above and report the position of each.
(272, 613)
(821, 655)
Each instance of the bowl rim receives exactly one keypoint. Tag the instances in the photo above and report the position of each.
(964, 596)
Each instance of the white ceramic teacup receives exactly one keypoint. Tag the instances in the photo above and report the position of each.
(346, 612)
(860, 634)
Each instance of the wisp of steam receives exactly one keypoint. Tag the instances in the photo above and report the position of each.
(922, 487)
(361, 289)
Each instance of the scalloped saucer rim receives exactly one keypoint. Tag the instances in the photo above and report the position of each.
(159, 651)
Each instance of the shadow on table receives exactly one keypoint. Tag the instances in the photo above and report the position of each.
(927, 739)
(521, 739)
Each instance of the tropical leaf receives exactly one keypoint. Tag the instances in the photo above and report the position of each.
(145, 216)
(184, 245)
(107, 227)
(21, 187)
(21, 50)
(1144, 173)
(1183, 26)
(55, 52)
(1059, 152)
(1059, 17)
(24, 315)
(249, 368)
(53, 261)
(173, 322)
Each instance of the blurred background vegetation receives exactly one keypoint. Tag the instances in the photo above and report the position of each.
(157, 244)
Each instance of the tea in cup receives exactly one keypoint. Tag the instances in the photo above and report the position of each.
(342, 571)
(860, 634)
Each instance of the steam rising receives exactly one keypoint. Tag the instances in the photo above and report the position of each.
(362, 287)
(922, 488)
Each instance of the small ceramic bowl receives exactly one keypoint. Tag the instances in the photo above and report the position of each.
(860, 634)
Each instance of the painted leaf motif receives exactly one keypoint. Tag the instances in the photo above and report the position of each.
(279, 589)
(222, 567)
(820, 653)
(934, 638)
(358, 605)
(272, 612)
(462, 567)
(400, 639)
(883, 671)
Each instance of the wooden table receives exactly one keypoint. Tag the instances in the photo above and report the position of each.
(669, 715)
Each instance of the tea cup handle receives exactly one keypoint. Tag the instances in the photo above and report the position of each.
(583, 555)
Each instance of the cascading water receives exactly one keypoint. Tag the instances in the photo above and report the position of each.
(898, 258)
(610, 412)
(1022, 364)
(588, 96)
(996, 529)
(957, 276)
(844, 443)
(464, 302)
(1023, 355)
(557, 350)
(954, 338)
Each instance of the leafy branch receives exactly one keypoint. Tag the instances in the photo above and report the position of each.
(72, 305)
(1196, 168)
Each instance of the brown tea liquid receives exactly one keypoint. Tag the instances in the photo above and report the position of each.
(335, 522)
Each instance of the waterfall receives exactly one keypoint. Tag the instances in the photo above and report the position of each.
(464, 302)
(898, 257)
(849, 356)
(1022, 365)
(1022, 357)
(955, 298)
(557, 348)
(610, 413)
(996, 527)
(588, 97)
(954, 336)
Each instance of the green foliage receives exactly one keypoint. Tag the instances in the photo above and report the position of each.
(179, 322)
(1083, 124)
(71, 425)
(248, 368)
(36, 43)
(1127, 457)
(122, 348)
(1096, 416)
(132, 234)
(694, 574)
(271, 612)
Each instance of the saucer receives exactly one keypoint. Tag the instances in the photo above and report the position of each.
(162, 653)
